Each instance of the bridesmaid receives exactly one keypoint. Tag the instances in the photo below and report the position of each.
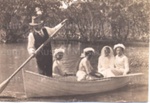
(121, 61)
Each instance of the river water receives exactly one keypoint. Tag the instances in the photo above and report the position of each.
(13, 55)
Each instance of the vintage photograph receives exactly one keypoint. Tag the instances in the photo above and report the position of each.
(74, 50)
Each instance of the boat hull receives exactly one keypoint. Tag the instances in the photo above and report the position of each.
(37, 85)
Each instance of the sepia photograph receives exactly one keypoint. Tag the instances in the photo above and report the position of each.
(74, 50)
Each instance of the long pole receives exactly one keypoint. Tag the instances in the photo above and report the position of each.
(4, 83)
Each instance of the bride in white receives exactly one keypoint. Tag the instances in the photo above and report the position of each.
(106, 62)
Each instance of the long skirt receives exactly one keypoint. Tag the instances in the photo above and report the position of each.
(118, 71)
(107, 73)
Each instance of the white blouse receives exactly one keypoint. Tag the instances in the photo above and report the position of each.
(57, 68)
(122, 63)
(31, 40)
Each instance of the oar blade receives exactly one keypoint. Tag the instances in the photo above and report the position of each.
(3, 85)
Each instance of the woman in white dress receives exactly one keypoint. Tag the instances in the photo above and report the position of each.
(121, 61)
(85, 70)
(106, 62)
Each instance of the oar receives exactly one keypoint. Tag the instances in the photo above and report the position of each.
(4, 83)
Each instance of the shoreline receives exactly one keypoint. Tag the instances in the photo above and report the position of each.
(107, 42)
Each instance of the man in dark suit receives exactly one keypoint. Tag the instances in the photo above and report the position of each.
(37, 37)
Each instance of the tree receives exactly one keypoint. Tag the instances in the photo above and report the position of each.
(90, 20)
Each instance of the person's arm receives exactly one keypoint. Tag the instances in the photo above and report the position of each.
(30, 47)
(126, 64)
(50, 31)
(112, 64)
(99, 64)
(91, 68)
(87, 67)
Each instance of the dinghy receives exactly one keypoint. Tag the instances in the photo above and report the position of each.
(37, 85)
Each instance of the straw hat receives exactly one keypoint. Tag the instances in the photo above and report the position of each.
(88, 49)
(35, 21)
(60, 50)
(119, 45)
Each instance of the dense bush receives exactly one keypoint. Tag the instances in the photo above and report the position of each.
(90, 20)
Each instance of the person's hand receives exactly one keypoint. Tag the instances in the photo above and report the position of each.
(63, 22)
(124, 73)
(32, 52)
(65, 74)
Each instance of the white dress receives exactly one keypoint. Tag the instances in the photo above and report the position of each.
(57, 68)
(105, 66)
(106, 63)
(84, 69)
(121, 65)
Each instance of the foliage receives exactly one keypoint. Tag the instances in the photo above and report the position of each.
(89, 20)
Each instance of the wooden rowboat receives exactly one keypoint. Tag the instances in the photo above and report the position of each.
(37, 85)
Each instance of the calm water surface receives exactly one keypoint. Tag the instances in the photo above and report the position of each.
(13, 55)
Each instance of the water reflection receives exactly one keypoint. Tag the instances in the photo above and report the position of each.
(13, 55)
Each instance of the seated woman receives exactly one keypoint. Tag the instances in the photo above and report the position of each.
(85, 70)
(121, 61)
(57, 64)
(106, 62)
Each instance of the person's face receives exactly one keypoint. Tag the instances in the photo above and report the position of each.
(59, 56)
(38, 27)
(107, 52)
(37, 9)
(119, 51)
(90, 54)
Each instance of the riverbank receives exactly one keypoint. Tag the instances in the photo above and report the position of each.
(107, 42)
(140, 43)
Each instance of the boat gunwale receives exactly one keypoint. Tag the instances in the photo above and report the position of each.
(84, 81)
(68, 81)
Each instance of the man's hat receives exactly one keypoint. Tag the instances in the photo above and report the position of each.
(35, 21)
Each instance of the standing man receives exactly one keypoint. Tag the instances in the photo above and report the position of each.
(37, 37)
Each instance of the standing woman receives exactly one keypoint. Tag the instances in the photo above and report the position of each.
(121, 61)
(106, 62)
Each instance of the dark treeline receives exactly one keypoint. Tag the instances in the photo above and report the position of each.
(88, 20)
